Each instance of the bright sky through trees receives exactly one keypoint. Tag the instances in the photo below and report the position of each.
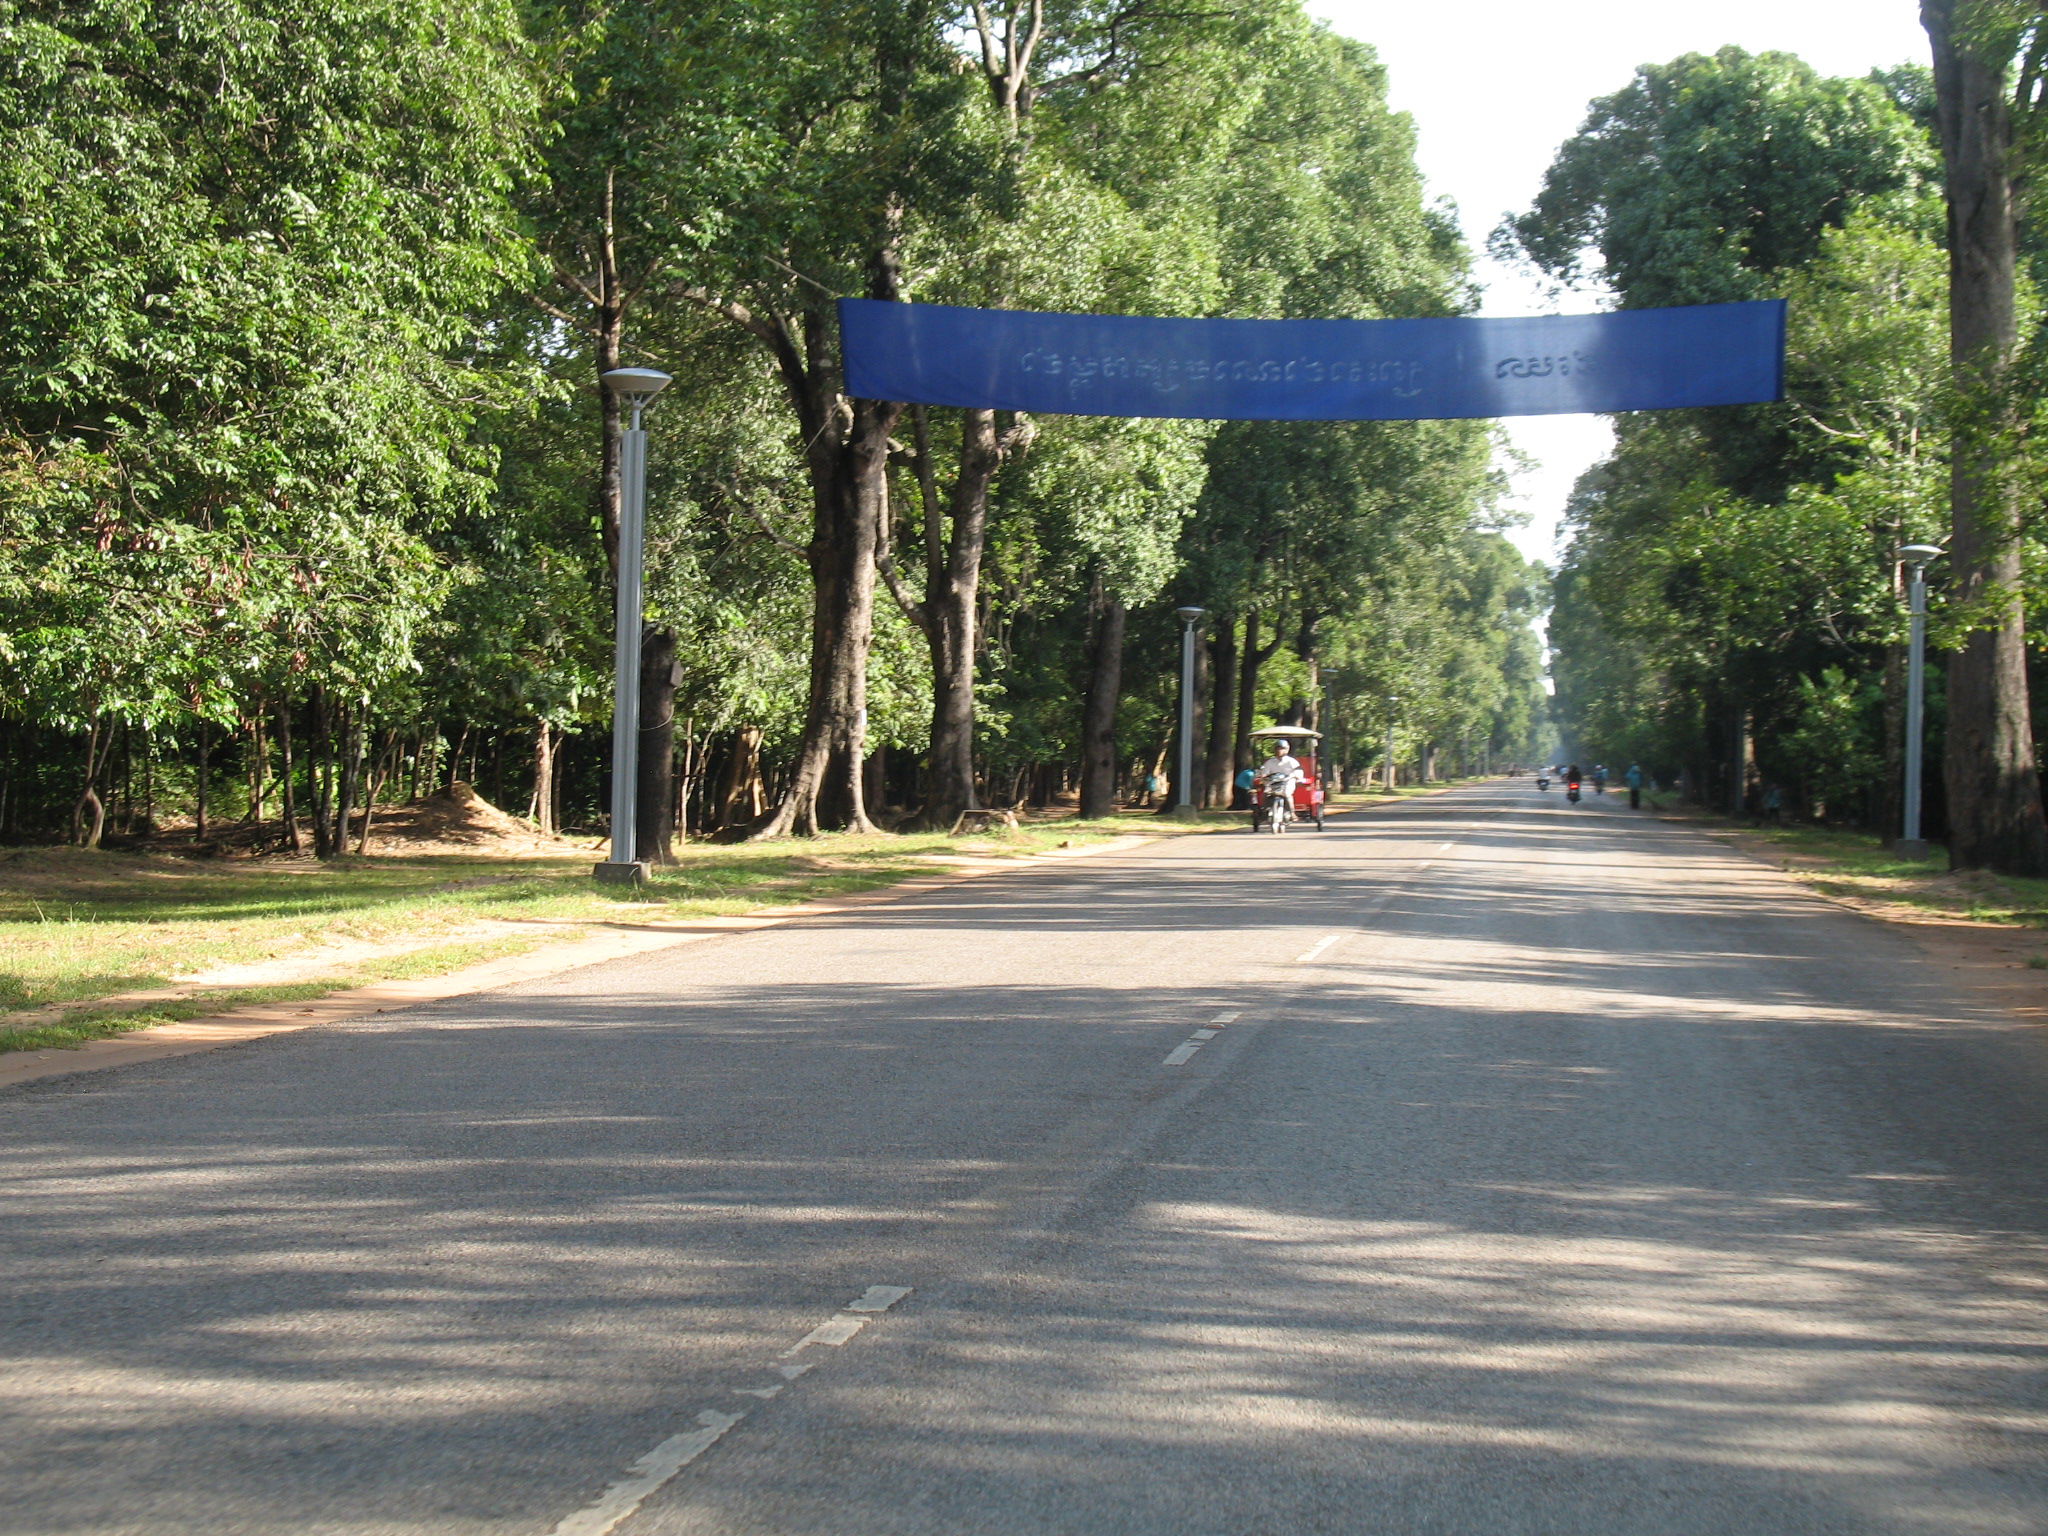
(1495, 86)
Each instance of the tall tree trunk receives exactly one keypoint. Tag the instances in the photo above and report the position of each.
(258, 767)
(1098, 709)
(288, 806)
(199, 816)
(951, 604)
(741, 797)
(1738, 761)
(1994, 791)
(544, 779)
(1249, 660)
(348, 748)
(89, 815)
(654, 817)
(849, 502)
(1218, 760)
(847, 454)
(321, 772)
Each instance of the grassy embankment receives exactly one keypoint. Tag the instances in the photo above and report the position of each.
(79, 929)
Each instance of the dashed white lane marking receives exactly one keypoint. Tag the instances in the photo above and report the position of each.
(647, 1475)
(1317, 948)
(1180, 1053)
(1445, 847)
(1228, 1018)
(651, 1472)
(1205, 1034)
(878, 1298)
(834, 1331)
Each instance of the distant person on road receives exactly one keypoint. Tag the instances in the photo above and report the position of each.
(1635, 786)
(1774, 804)
(1573, 776)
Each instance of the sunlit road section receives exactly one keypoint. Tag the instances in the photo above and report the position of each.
(1484, 1164)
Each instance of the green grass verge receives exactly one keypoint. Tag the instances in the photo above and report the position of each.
(79, 926)
(99, 1024)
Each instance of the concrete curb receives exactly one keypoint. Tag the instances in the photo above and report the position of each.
(233, 1026)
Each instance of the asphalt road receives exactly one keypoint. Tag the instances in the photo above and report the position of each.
(1542, 1169)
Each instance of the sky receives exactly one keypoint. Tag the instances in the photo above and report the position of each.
(1495, 86)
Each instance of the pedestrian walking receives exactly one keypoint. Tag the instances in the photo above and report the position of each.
(1635, 786)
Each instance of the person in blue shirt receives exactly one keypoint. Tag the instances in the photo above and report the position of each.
(1635, 786)
(1241, 789)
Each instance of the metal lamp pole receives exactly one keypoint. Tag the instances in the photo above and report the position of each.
(1911, 844)
(1184, 803)
(635, 386)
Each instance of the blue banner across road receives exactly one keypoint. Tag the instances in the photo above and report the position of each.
(1314, 370)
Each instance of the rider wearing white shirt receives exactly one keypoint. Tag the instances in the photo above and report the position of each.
(1283, 764)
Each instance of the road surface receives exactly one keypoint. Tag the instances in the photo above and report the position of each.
(1481, 1165)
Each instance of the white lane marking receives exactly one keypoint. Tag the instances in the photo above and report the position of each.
(1446, 847)
(878, 1298)
(1205, 1034)
(1317, 948)
(646, 1475)
(834, 1331)
(1228, 1018)
(1179, 1054)
(662, 1463)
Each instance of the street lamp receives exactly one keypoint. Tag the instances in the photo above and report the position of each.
(635, 386)
(1911, 845)
(1185, 803)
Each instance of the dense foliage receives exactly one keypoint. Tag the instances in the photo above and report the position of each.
(1730, 610)
(308, 493)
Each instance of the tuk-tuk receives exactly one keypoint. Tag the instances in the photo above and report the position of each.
(1308, 794)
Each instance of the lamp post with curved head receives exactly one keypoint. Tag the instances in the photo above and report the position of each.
(1184, 803)
(1911, 844)
(635, 386)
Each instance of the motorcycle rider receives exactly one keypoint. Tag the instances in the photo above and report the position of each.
(1278, 774)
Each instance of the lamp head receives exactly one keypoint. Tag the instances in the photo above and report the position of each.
(1189, 615)
(638, 385)
(1920, 554)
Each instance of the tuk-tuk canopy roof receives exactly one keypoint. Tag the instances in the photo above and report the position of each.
(1287, 732)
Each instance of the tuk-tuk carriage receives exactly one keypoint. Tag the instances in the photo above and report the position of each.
(1308, 793)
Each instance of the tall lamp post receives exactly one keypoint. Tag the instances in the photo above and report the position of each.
(635, 386)
(1184, 803)
(1911, 844)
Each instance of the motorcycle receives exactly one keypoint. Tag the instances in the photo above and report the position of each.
(1571, 791)
(1543, 781)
